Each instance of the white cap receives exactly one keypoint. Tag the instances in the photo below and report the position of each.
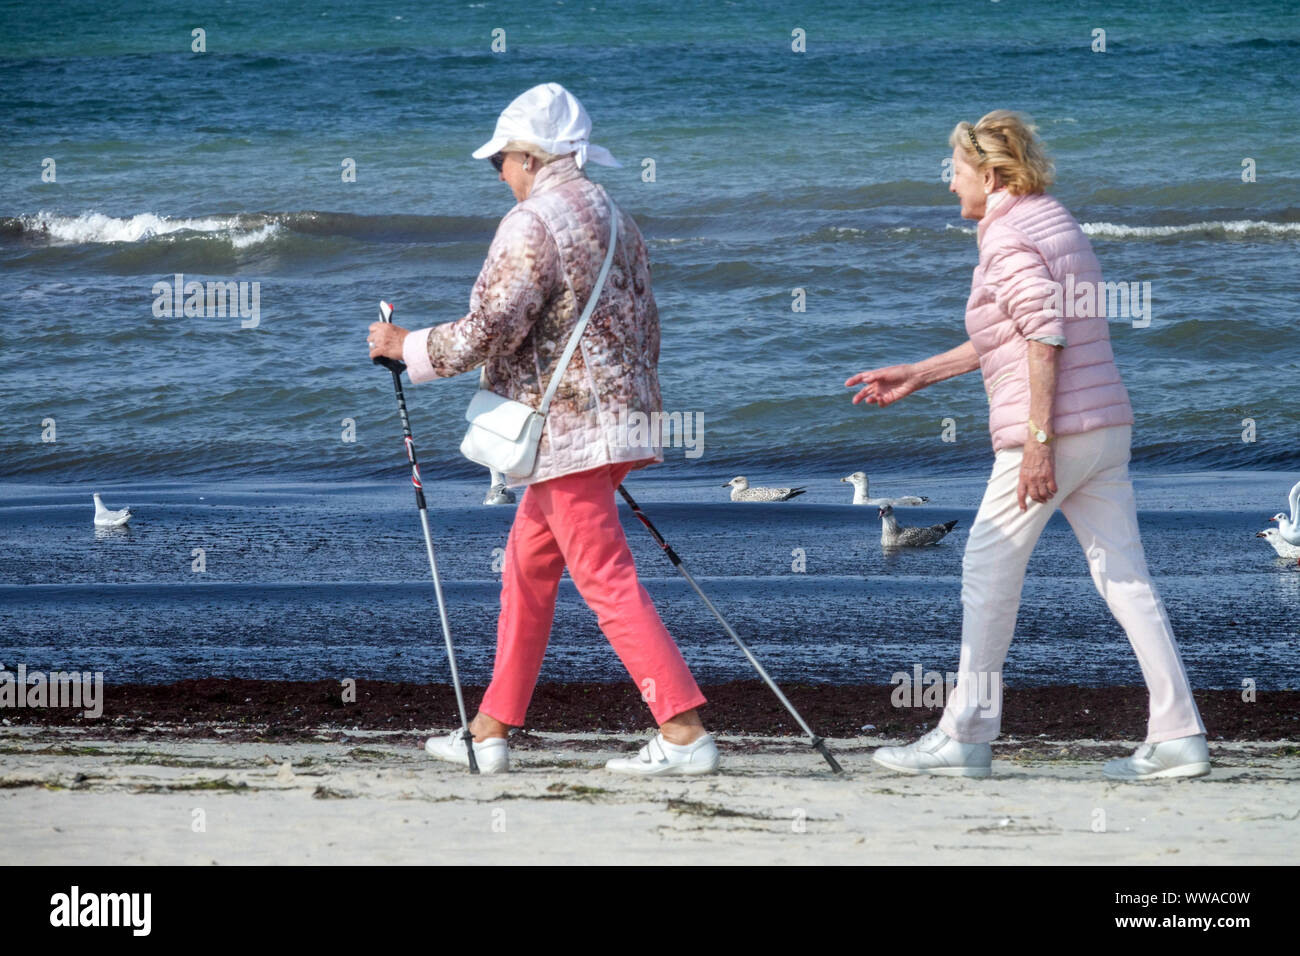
(548, 116)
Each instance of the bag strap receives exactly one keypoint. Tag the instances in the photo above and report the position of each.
(586, 313)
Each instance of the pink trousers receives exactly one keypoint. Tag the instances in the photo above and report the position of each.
(1096, 496)
(572, 521)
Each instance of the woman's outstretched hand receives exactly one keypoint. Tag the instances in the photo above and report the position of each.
(884, 386)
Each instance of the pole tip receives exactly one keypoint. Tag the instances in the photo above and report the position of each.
(819, 745)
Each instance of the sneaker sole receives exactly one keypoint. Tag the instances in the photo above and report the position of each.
(978, 773)
(1184, 770)
(667, 772)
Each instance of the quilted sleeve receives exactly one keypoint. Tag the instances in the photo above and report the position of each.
(1024, 289)
(521, 274)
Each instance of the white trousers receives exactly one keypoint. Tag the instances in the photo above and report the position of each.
(1096, 496)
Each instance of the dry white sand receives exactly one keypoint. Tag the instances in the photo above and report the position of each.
(68, 797)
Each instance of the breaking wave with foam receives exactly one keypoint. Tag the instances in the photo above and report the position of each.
(88, 228)
(1232, 229)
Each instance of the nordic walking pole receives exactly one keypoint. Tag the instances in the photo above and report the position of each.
(397, 368)
(817, 743)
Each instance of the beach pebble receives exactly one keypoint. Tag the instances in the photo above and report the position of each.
(868, 726)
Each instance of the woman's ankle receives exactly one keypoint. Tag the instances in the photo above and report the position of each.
(484, 727)
(683, 729)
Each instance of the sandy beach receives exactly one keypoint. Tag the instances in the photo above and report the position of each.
(245, 671)
(74, 796)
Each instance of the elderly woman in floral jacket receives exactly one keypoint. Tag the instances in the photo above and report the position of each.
(540, 270)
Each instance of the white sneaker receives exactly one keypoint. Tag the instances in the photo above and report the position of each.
(937, 753)
(1182, 757)
(660, 758)
(491, 755)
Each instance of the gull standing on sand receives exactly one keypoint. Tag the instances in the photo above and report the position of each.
(892, 536)
(1274, 537)
(499, 494)
(861, 496)
(104, 518)
(1289, 527)
(740, 491)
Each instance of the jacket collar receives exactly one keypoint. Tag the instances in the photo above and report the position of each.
(553, 174)
(1007, 203)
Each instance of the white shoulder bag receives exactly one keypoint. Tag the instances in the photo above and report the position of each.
(504, 434)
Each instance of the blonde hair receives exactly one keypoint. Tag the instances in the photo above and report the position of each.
(1008, 143)
(541, 155)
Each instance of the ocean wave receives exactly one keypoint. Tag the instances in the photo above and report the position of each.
(242, 240)
(837, 233)
(90, 228)
(242, 230)
(1226, 229)
(1231, 229)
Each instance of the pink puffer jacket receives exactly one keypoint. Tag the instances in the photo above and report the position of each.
(1027, 243)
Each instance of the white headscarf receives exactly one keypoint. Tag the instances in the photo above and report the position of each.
(550, 117)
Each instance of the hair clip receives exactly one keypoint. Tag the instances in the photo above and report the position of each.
(970, 131)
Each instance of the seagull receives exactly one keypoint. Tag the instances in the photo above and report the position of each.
(892, 536)
(1289, 527)
(109, 519)
(1279, 543)
(859, 481)
(499, 494)
(740, 491)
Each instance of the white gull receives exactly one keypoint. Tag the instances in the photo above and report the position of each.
(1280, 545)
(1289, 527)
(104, 518)
(862, 497)
(499, 494)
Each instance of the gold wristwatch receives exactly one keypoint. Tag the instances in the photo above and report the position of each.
(1038, 434)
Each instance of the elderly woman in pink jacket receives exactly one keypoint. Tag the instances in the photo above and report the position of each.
(542, 267)
(1061, 425)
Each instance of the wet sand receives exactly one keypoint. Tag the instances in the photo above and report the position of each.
(287, 710)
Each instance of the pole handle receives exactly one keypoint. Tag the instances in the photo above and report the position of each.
(393, 365)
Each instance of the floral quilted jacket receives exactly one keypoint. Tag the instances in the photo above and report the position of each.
(540, 270)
